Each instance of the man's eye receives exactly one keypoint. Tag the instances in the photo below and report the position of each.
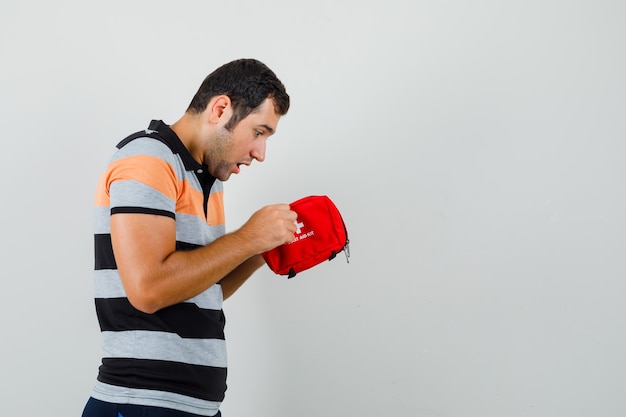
(258, 132)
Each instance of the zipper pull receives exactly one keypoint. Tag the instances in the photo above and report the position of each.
(346, 250)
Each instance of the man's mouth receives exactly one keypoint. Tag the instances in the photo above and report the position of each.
(239, 164)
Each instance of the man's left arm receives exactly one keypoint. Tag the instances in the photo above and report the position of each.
(238, 276)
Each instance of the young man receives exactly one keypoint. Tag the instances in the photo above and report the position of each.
(163, 263)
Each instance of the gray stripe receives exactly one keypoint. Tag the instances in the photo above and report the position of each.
(141, 344)
(217, 186)
(210, 299)
(145, 146)
(123, 395)
(131, 193)
(101, 217)
(193, 229)
(107, 284)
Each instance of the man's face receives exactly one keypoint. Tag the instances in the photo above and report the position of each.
(245, 143)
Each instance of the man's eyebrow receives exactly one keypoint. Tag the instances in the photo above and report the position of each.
(269, 129)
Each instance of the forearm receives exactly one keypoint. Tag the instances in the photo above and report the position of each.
(185, 274)
(236, 278)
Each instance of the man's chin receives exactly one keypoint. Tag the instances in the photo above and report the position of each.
(224, 174)
(223, 177)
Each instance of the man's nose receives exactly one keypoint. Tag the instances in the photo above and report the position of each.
(258, 152)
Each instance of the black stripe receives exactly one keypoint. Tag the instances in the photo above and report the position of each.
(103, 252)
(183, 246)
(143, 210)
(204, 382)
(185, 319)
(206, 180)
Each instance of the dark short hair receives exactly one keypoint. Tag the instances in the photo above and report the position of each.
(248, 83)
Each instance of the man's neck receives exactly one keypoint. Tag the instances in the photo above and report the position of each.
(189, 129)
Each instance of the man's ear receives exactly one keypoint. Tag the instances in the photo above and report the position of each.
(219, 108)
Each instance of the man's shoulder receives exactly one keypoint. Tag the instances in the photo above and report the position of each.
(144, 145)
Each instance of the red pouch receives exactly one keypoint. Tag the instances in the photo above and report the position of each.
(321, 234)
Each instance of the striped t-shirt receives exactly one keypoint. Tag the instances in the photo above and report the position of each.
(176, 357)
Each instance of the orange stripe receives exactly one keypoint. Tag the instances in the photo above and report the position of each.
(101, 198)
(190, 201)
(215, 209)
(143, 168)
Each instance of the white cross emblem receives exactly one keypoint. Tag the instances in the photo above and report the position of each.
(298, 226)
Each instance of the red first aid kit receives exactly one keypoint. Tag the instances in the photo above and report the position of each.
(320, 235)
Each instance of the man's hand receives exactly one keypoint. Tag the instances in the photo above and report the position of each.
(271, 226)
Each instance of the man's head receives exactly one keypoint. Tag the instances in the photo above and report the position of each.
(248, 83)
(235, 110)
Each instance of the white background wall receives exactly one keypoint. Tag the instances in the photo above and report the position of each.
(477, 151)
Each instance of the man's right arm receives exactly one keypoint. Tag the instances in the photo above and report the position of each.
(155, 275)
